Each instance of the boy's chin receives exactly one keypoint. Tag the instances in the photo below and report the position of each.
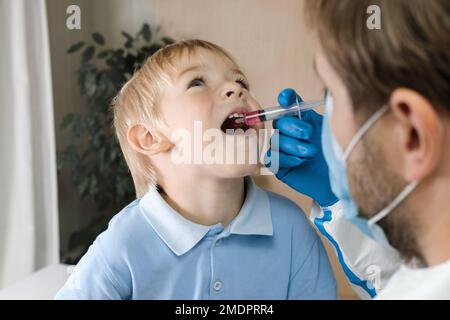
(235, 170)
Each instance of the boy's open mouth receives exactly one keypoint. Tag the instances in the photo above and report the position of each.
(231, 124)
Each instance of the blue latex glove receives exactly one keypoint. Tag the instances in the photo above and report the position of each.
(301, 162)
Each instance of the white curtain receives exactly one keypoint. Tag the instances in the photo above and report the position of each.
(29, 237)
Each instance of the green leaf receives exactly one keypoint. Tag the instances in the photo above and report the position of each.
(88, 53)
(146, 32)
(151, 49)
(84, 185)
(167, 40)
(127, 36)
(103, 54)
(113, 153)
(93, 187)
(77, 46)
(102, 157)
(98, 38)
(129, 63)
(140, 58)
(102, 86)
(79, 128)
(70, 154)
(116, 78)
(119, 53)
(128, 44)
(121, 187)
(90, 84)
(86, 66)
(67, 120)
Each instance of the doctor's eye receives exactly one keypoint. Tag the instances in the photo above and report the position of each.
(196, 82)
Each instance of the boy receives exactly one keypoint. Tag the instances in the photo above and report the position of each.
(198, 230)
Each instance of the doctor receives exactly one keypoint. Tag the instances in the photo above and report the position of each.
(382, 146)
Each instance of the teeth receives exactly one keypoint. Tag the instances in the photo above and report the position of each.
(235, 115)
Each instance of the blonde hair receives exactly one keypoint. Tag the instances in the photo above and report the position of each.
(139, 99)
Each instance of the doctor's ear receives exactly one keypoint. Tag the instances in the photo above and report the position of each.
(147, 142)
(419, 131)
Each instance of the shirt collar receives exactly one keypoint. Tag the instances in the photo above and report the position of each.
(181, 234)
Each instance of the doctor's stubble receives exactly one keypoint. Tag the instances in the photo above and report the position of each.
(374, 185)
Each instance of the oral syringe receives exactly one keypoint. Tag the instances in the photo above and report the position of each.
(253, 118)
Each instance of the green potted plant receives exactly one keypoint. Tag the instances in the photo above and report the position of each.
(92, 153)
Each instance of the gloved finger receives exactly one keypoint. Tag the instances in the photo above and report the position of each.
(287, 97)
(268, 161)
(282, 173)
(276, 169)
(284, 160)
(294, 127)
(292, 146)
(312, 117)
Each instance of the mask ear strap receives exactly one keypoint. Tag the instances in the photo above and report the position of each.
(363, 130)
(401, 196)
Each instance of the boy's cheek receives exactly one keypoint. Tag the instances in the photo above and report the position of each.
(195, 108)
(181, 116)
(253, 103)
(192, 112)
(190, 123)
(200, 98)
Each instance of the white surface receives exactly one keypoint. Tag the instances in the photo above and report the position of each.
(28, 188)
(41, 285)
(411, 283)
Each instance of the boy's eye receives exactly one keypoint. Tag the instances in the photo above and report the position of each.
(243, 83)
(197, 82)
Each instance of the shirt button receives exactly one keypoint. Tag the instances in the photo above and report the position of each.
(218, 242)
(217, 285)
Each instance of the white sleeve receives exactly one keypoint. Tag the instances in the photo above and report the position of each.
(367, 264)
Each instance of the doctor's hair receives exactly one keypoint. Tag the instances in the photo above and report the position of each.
(410, 50)
(138, 103)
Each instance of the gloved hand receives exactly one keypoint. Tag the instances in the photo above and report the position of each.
(301, 162)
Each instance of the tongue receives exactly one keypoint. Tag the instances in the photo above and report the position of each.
(230, 123)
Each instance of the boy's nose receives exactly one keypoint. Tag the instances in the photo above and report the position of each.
(232, 91)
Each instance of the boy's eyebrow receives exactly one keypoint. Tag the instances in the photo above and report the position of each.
(192, 68)
(238, 72)
(195, 67)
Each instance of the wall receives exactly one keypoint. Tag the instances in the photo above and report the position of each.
(267, 37)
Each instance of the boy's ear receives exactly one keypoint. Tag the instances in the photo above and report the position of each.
(146, 142)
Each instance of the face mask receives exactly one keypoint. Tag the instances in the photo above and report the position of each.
(336, 160)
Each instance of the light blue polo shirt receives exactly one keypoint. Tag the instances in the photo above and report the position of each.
(149, 251)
